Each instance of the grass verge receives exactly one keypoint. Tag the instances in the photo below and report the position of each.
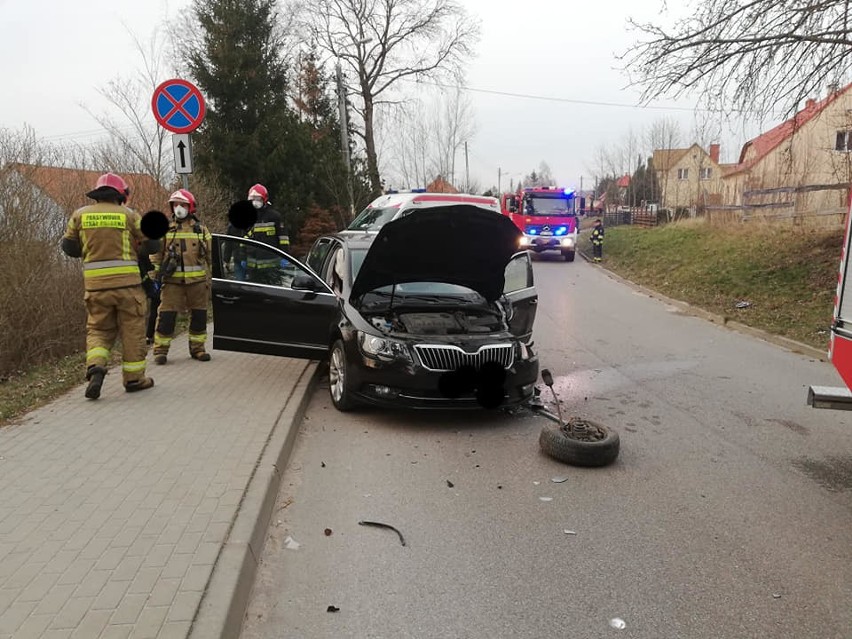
(778, 279)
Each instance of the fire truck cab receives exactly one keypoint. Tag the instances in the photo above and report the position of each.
(547, 216)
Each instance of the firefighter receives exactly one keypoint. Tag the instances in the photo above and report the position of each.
(597, 241)
(269, 228)
(108, 237)
(183, 269)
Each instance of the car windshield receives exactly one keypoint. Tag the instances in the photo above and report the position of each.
(549, 206)
(372, 219)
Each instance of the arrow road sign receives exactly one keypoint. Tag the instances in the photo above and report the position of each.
(178, 106)
(183, 152)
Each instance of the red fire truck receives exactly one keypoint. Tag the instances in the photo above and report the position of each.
(547, 216)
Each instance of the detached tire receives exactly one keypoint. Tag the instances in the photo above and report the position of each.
(598, 447)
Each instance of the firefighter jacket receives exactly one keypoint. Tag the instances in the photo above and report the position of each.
(109, 239)
(268, 229)
(188, 246)
(597, 235)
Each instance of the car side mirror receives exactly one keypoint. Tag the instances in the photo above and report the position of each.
(304, 282)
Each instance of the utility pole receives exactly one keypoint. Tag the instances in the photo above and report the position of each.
(499, 179)
(344, 139)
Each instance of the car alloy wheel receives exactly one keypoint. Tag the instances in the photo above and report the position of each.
(338, 378)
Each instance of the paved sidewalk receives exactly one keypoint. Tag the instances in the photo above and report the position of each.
(114, 513)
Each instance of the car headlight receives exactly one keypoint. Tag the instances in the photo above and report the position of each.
(383, 348)
(524, 241)
(523, 351)
(568, 241)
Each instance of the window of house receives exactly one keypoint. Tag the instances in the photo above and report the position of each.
(704, 174)
(683, 174)
(843, 142)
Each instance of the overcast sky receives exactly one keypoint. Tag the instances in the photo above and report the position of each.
(56, 53)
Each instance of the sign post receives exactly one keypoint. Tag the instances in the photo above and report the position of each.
(179, 107)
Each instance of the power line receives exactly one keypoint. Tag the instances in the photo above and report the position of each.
(529, 96)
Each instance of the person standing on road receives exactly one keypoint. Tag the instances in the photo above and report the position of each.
(597, 241)
(183, 268)
(108, 237)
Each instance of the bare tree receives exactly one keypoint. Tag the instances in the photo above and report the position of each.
(747, 55)
(428, 133)
(136, 142)
(664, 135)
(385, 41)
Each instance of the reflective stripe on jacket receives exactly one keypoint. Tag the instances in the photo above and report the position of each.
(193, 251)
(109, 236)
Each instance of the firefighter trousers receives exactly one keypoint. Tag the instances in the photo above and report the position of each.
(117, 313)
(180, 298)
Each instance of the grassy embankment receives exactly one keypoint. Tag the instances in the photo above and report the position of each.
(787, 276)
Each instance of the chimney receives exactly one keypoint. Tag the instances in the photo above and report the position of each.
(714, 153)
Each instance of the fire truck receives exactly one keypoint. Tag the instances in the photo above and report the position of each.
(547, 216)
(840, 348)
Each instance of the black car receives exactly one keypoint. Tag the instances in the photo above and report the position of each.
(435, 310)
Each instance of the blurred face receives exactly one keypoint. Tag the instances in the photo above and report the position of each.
(256, 202)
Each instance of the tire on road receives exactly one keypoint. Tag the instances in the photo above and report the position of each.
(555, 442)
(568, 255)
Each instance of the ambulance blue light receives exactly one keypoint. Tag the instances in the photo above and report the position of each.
(533, 231)
(562, 230)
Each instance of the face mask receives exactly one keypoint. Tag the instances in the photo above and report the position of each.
(181, 212)
(258, 204)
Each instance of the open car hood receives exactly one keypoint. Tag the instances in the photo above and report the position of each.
(458, 244)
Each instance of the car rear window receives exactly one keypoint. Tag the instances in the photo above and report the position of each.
(373, 218)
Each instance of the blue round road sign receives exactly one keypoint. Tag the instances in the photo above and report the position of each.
(178, 106)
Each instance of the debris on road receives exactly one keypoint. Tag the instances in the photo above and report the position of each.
(381, 525)
(776, 595)
(617, 623)
(742, 304)
(450, 484)
(328, 532)
(570, 532)
(546, 498)
(559, 480)
(332, 609)
(291, 544)
(322, 464)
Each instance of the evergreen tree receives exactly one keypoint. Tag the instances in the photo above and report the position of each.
(250, 134)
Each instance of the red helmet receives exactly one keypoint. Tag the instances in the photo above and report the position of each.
(258, 190)
(184, 197)
(107, 182)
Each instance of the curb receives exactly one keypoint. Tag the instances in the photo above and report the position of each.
(223, 606)
(784, 342)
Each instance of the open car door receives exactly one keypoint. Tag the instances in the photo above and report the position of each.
(520, 290)
(267, 302)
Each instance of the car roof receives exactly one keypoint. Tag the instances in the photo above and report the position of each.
(433, 199)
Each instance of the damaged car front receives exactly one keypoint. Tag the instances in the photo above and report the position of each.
(435, 310)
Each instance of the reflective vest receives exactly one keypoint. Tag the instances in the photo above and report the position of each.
(109, 236)
(190, 249)
(597, 236)
(268, 229)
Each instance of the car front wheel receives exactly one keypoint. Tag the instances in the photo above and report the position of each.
(338, 378)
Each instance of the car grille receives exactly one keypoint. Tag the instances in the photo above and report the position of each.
(438, 357)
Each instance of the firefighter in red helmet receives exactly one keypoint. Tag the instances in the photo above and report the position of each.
(108, 237)
(270, 229)
(183, 268)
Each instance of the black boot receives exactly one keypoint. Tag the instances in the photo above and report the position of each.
(95, 375)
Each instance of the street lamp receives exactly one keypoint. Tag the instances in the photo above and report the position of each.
(344, 131)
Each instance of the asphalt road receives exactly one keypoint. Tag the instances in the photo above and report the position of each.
(727, 515)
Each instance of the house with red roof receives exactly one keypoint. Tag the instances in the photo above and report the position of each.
(803, 166)
(45, 196)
